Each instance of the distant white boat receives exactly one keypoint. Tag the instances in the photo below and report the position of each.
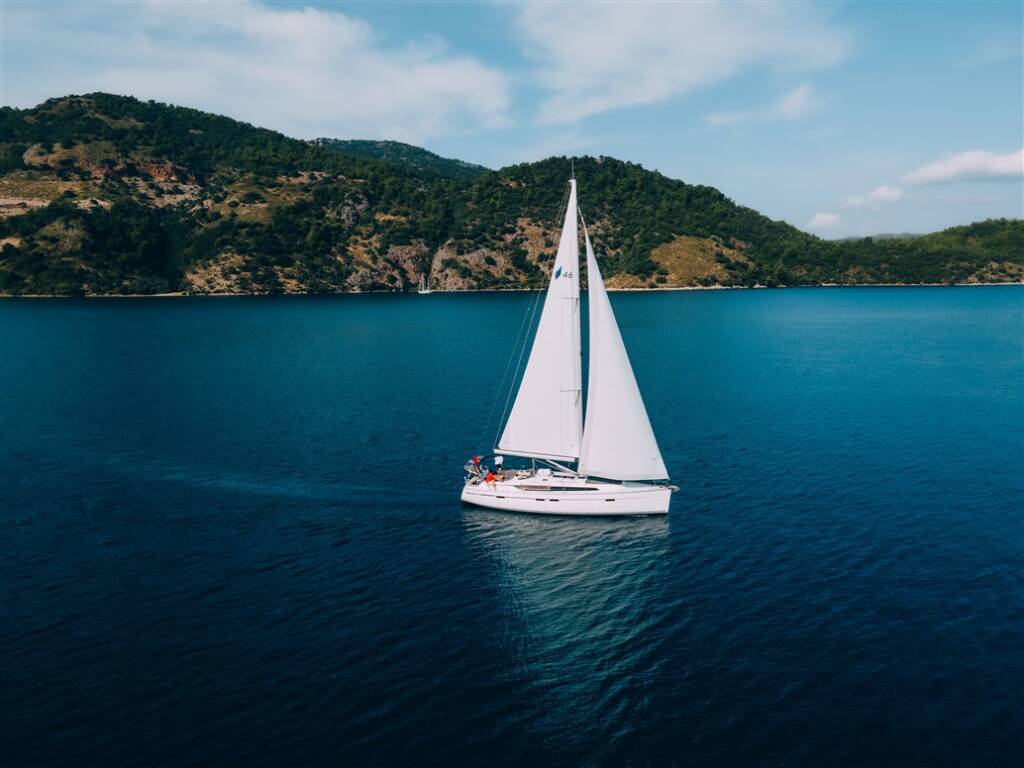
(618, 467)
(424, 288)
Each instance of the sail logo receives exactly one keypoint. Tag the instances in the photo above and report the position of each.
(560, 273)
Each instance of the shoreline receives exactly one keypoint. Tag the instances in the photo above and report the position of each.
(183, 294)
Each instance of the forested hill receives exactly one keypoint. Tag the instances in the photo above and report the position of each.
(103, 194)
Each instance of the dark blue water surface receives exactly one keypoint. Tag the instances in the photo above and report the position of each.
(231, 535)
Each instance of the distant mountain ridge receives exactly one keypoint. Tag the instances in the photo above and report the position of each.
(882, 236)
(104, 194)
(398, 152)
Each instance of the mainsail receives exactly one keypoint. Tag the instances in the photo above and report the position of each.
(546, 421)
(618, 442)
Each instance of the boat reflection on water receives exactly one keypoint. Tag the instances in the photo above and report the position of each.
(581, 597)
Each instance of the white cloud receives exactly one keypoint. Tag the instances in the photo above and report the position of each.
(966, 165)
(599, 57)
(795, 105)
(976, 164)
(824, 221)
(883, 194)
(301, 70)
(996, 48)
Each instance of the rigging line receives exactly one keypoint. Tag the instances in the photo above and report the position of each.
(519, 363)
(562, 209)
(523, 328)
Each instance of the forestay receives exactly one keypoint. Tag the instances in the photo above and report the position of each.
(618, 442)
(546, 421)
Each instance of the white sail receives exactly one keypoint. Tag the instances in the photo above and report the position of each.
(546, 421)
(618, 442)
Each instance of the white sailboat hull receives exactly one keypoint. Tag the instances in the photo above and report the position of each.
(560, 495)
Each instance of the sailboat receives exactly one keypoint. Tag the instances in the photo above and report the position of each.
(618, 466)
(424, 288)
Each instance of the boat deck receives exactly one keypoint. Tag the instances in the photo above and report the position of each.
(556, 493)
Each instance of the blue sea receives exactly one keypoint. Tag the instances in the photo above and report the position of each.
(230, 534)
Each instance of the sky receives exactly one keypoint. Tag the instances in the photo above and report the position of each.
(842, 118)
